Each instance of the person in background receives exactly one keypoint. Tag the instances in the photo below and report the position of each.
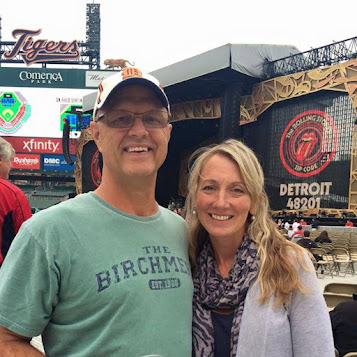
(344, 326)
(298, 234)
(323, 238)
(315, 224)
(255, 293)
(349, 223)
(303, 222)
(290, 232)
(307, 242)
(286, 225)
(295, 224)
(107, 272)
(14, 206)
(279, 223)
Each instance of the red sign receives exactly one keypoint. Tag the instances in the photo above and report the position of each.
(309, 143)
(26, 162)
(40, 145)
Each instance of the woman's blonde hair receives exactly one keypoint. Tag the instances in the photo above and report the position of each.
(278, 273)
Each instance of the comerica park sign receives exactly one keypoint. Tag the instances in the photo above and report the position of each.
(41, 50)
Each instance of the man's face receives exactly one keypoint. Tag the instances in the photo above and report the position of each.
(5, 167)
(136, 151)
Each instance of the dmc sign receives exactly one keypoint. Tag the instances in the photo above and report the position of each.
(41, 50)
(53, 161)
(57, 163)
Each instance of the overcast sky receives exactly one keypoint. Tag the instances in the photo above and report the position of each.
(158, 33)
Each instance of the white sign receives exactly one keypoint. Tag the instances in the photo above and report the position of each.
(311, 194)
(93, 78)
(45, 108)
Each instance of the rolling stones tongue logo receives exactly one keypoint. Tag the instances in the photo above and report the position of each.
(308, 143)
(306, 146)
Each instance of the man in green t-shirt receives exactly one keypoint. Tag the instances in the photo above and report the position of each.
(106, 273)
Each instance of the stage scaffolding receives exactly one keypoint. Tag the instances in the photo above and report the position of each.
(318, 57)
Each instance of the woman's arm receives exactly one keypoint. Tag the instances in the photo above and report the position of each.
(15, 345)
(311, 331)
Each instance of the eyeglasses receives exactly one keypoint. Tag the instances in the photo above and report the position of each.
(124, 119)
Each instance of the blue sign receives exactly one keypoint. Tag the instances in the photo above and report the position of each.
(56, 163)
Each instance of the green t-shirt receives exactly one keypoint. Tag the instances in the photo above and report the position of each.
(95, 281)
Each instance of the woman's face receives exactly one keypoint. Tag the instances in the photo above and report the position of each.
(222, 201)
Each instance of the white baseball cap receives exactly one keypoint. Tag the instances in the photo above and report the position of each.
(128, 76)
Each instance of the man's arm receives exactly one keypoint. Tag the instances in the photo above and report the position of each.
(14, 345)
(22, 211)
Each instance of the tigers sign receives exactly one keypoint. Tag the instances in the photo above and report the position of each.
(41, 50)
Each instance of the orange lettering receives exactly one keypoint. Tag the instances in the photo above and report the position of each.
(131, 72)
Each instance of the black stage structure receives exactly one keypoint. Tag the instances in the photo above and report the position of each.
(213, 95)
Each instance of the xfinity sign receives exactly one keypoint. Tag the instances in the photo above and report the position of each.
(34, 145)
(39, 145)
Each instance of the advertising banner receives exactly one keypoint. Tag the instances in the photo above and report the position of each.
(39, 145)
(42, 77)
(40, 112)
(304, 145)
(93, 78)
(26, 162)
(56, 163)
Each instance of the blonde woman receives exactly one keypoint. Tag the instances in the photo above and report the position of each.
(256, 294)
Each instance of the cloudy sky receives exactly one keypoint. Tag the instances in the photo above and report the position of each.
(158, 33)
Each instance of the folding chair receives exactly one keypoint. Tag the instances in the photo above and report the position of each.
(353, 255)
(332, 300)
(341, 288)
(340, 257)
(341, 246)
(325, 263)
(327, 246)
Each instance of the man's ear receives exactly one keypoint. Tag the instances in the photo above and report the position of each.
(169, 128)
(96, 134)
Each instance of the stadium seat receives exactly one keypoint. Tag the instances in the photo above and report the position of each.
(341, 288)
(353, 254)
(326, 264)
(332, 300)
(341, 257)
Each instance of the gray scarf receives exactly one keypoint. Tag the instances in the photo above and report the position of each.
(211, 291)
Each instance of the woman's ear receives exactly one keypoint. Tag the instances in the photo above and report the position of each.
(254, 207)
